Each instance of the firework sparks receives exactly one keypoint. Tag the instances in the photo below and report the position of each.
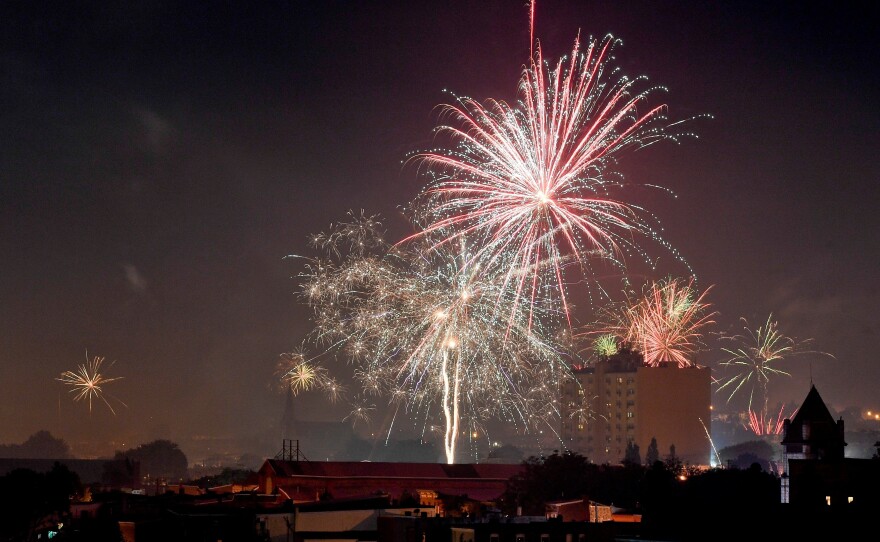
(761, 423)
(87, 382)
(754, 360)
(665, 324)
(423, 325)
(298, 374)
(606, 345)
(361, 412)
(532, 181)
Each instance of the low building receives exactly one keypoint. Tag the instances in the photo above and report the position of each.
(420, 529)
(303, 481)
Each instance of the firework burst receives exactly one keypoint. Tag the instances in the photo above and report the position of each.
(87, 382)
(754, 359)
(423, 325)
(532, 181)
(298, 374)
(665, 324)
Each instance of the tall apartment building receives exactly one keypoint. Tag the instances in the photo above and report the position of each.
(619, 400)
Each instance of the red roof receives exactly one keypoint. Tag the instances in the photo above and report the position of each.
(355, 469)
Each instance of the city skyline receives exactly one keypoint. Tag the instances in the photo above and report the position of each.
(161, 161)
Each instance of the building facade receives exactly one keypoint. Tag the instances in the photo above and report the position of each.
(619, 400)
(817, 473)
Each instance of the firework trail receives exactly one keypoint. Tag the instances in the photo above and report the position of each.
(708, 436)
(754, 358)
(665, 324)
(419, 324)
(87, 382)
(531, 182)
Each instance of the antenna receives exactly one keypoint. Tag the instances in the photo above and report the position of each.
(290, 451)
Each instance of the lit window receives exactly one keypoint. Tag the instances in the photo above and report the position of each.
(849, 500)
(828, 500)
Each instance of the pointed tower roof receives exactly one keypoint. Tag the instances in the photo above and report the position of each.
(814, 428)
(813, 408)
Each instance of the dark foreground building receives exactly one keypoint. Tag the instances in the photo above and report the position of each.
(817, 472)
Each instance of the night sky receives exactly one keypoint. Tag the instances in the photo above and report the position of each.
(158, 160)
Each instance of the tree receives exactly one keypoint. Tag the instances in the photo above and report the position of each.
(546, 479)
(652, 455)
(158, 459)
(673, 463)
(742, 455)
(632, 455)
(120, 473)
(61, 484)
(27, 497)
(23, 504)
(40, 445)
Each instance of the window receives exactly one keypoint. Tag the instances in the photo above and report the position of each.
(629, 414)
(620, 380)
